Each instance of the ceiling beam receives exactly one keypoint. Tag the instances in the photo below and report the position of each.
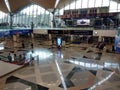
(16, 5)
(46, 4)
(63, 3)
(3, 6)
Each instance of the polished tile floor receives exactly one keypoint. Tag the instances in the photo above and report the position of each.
(74, 67)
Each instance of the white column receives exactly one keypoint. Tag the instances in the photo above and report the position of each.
(50, 37)
(14, 38)
(32, 35)
(71, 38)
(52, 21)
(100, 39)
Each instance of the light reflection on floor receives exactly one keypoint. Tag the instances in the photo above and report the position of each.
(42, 53)
(73, 68)
(94, 65)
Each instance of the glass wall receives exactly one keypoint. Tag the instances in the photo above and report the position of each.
(32, 14)
(4, 20)
(77, 4)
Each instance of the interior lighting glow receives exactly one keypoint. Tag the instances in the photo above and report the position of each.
(102, 81)
(8, 5)
(87, 65)
(56, 3)
(60, 73)
(41, 53)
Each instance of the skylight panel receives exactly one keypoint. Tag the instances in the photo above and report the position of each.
(8, 5)
(56, 3)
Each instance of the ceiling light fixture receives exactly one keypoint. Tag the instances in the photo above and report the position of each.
(56, 3)
(8, 5)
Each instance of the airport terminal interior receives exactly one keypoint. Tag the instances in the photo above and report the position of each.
(59, 44)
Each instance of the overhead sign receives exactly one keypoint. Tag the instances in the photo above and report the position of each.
(72, 32)
(81, 32)
(55, 31)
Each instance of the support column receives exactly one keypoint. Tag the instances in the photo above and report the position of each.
(53, 20)
(32, 38)
(11, 20)
(32, 25)
(50, 37)
(14, 38)
(100, 39)
(32, 35)
(71, 38)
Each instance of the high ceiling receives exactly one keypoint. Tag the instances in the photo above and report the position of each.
(3, 6)
(16, 5)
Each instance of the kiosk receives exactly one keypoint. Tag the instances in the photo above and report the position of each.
(59, 42)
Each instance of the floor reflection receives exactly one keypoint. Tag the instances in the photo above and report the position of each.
(42, 53)
(14, 83)
(93, 64)
(72, 68)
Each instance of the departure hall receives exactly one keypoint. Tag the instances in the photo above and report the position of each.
(59, 44)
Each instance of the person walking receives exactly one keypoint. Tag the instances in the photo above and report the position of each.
(31, 45)
(23, 45)
(9, 58)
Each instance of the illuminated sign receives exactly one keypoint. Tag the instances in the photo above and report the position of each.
(81, 32)
(72, 32)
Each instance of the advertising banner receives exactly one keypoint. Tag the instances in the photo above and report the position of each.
(22, 32)
(14, 32)
(4, 33)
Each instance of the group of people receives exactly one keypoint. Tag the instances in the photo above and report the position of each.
(18, 58)
(21, 58)
(12, 57)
